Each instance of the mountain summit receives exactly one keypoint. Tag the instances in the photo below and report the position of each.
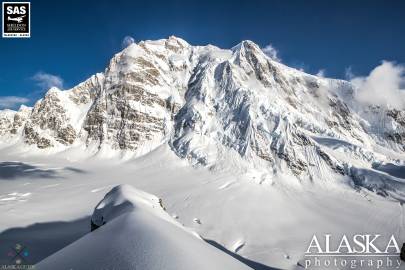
(226, 109)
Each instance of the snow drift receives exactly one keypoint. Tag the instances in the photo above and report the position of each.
(137, 233)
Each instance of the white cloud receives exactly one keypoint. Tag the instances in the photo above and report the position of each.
(46, 80)
(321, 73)
(271, 52)
(11, 102)
(128, 40)
(349, 73)
(383, 86)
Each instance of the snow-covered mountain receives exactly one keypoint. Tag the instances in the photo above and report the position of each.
(227, 109)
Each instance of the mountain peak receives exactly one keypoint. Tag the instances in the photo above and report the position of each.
(234, 108)
(245, 45)
(178, 40)
(247, 53)
(53, 89)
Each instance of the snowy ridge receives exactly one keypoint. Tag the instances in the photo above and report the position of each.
(136, 233)
(234, 110)
(123, 199)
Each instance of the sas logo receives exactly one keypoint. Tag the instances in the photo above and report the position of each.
(16, 20)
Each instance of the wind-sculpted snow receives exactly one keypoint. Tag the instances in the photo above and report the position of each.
(123, 199)
(231, 109)
(137, 233)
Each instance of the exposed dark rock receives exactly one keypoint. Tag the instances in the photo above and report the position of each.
(94, 226)
(333, 165)
(398, 116)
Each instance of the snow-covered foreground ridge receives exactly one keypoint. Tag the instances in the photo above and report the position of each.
(136, 233)
(225, 109)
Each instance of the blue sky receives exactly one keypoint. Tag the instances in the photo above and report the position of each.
(71, 40)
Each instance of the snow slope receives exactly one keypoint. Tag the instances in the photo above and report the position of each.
(138, 234)
(269, 225)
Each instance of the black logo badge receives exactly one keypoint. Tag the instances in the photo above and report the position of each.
(16, 20)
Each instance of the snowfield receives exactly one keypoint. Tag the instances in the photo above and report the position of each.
(138, 234)
(47, 204)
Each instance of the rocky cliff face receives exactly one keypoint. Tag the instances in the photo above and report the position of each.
(12, 122)
(216, 108)
(139, 97)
